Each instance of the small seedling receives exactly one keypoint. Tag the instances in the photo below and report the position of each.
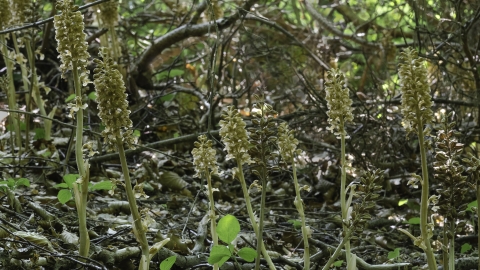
(227, 230)
(65, 193)
(13, 184)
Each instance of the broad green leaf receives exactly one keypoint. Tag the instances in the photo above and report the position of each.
(92, 95)
(394, 254)
(402, 202)
(471, 205)
(413, 221)
(70, 179)
(70, 98)
(465, 247)
(61, 185)
(39, 134)
(136, 133)
(297, 224)
(64, 195)
(219, 254)
(168, 263)
(168, 97)
(104, 185)
(228, 228)
(338, 263)
(23, 182)
(248, 254)
(169, 73)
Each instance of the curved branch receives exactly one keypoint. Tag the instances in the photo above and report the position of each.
(179, 34)
(332, 29)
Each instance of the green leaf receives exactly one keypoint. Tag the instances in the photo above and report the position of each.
(471, 205)
(136, 133)
(228, 228)
(92, 95)
(39, 134)
(168, 97)
(169, 73)
(70, 179)
(402, 202)
(64, 195)
(248, 254)
(394, 254)
(465, 247)
(338, 263)
(168, 263)
(104, 185)
(70, 98)
(11, 183)
(219, 254)
(413, 221)
(23, 182)
(62, 185)
(297, 224)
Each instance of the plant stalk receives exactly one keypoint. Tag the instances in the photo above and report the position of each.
(299, 205)
(137, 220)
(478, 213)
(335, 255)
(12, 100)
(213, 219)
(81, 194)
(241, 177)
(343, 192)
(432, 264)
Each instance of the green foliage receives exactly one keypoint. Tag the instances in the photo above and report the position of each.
(465, 247)
(227, 230)
(70, 98)
(394, 254)
(168, 263)
(13, 184)
(470, 206)
(338, 263)
(297, 224)
(65, 193)
(402, 202)
(39, 134)
(413, 221)
(93, 95)
(169, 74)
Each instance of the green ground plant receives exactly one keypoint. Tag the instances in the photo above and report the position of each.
(227, 230)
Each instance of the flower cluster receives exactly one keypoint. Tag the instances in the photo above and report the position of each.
(23, 10)
(338, 102)
(109, 13)
(416, 98)
(112, 102)
(204, 156)
(287, 143)
(5, 14)
(234, 136)
(72, 46)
